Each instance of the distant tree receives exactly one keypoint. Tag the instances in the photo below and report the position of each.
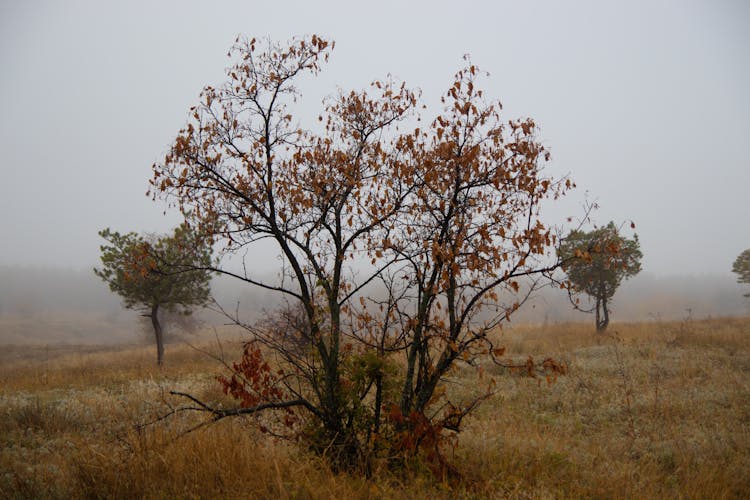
(157, 273)
(596, 262)
(741, 266)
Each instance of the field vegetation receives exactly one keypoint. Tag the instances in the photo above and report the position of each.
(651, 410)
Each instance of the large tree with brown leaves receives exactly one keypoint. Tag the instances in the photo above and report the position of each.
(393, 236)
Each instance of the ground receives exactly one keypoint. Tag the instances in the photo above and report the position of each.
(652, 410)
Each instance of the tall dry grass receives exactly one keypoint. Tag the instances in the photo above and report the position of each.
(653, 410)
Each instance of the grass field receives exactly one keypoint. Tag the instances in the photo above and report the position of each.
(654, 410)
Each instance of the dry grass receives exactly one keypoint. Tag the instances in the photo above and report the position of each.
(655, 410)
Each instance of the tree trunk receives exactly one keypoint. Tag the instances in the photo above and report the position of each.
(602, 319)
(605, 310)
(158, 334)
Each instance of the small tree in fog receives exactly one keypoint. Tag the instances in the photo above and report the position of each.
(741, 266)
(152, 274)
(596, 262)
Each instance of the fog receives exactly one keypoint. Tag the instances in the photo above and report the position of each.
(643, 103)
(52, 306)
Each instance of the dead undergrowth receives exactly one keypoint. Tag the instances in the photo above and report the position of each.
(653, 409)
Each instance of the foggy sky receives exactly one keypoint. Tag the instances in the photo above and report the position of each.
(645, 104)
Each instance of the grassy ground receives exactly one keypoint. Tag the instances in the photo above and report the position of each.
(655, 410)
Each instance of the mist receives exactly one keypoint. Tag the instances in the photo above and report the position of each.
(48, 306)
(643, 104)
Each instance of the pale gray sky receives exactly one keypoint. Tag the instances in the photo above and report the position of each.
(645, 103)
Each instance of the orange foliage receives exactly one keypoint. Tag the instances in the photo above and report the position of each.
(447, 216)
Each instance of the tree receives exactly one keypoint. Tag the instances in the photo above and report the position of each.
(157, 273)
(596, 262)
(741, 266)
(393, 237)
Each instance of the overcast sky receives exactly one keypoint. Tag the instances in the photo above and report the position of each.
(645, 103)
